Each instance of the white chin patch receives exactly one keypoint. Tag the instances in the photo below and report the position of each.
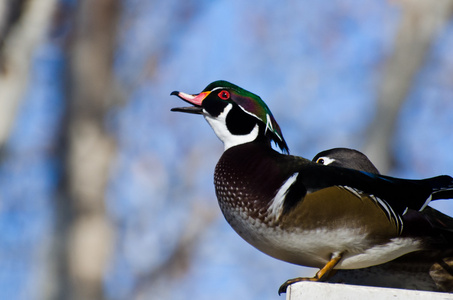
(229, 140)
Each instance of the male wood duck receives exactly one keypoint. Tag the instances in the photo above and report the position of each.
(430, 270)
(305, 213)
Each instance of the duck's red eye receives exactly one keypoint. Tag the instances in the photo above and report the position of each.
(224, 95)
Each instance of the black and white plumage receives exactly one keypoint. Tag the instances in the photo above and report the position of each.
(304, 213)
(345, 158)
(423, 270)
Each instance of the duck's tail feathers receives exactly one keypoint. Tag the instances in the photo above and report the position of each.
(442, 187)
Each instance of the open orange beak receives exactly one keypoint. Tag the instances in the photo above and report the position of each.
(195, 100)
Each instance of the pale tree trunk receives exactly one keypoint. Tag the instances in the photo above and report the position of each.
(420, 25)
(23, 26)
(85, 232)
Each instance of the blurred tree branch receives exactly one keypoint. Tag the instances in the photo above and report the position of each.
(85, 232)
(420, 25)
(179, 261)
(23, 25)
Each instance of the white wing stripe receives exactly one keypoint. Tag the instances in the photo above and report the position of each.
(276, 207)
(391, 215)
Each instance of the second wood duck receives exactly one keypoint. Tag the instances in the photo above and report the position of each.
(429, 270)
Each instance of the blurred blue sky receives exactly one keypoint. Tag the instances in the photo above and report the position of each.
(316, 65)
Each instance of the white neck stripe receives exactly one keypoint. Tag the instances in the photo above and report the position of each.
(229, 140)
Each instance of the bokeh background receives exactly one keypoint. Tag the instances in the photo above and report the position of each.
(106, 194)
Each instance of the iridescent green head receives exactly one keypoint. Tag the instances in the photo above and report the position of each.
(236, 115)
